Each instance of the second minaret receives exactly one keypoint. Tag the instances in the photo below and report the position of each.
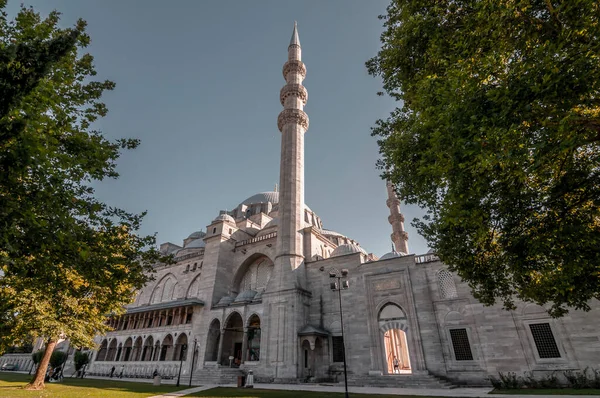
(293, 123)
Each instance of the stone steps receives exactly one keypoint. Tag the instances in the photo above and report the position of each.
(400, 381)
(216, 376)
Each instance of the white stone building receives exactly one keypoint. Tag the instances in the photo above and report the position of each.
(253, 293)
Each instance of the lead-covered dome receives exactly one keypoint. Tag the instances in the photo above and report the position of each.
(196, 244)
(197, 235)
(392, 254)
(348, 248)
(224, 217)
(262, 197)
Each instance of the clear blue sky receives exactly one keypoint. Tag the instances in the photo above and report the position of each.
(198, 82)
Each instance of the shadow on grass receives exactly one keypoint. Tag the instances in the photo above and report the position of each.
(221, 392)
(76, 388)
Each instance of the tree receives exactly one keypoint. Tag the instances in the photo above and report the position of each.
(497, 136)
(67, 260)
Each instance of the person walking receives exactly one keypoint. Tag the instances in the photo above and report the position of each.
(122, 369)
(396, 365)
(112, 372)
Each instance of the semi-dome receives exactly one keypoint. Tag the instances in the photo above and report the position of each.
(196, 244)
(392, 254)
(273, 223)
(245, 296)
(225, 300)
(197, 235)
(224, 217)
(348, 248)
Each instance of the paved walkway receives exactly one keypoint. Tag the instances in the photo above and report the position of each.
(455, 392)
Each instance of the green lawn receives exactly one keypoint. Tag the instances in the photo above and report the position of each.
(220, 392)
(11, 386)
(554, 391)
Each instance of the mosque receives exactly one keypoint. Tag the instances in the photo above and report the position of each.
(261, 289)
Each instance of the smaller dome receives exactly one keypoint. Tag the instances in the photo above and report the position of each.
(392, 254)
(197, 235)
(224, 217)
(225, 300)
(273, 223)
(245, 296)
(348, 248)
(196, 244)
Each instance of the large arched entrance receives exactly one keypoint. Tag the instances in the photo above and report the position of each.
(392, 324)
(102, 351)
(166, 352)
(233, 340)
(212, 341)
(137, 349)
(253, 339)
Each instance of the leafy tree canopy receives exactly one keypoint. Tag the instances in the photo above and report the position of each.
(498, 135)
(67, 260)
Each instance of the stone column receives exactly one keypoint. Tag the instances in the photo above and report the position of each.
(220, 350)
(245, 345)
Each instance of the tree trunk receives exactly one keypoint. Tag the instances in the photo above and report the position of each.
(38, 381)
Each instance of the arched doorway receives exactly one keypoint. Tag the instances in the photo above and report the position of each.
(102, 351)
(313, 362)
(392, 324)
(112, 350)
(253, 339)
(119, 351)
(166, 352)
(148, 346)
(127, 348)
(181, 346)
(137, 349)
(156, 354)
(212, 341)
(232, 340)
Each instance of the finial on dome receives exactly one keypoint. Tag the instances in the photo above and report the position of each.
(276, 187)
(295, 38)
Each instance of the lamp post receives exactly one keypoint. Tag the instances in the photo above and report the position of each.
(193, 360)
(339, 285)
(183, 348)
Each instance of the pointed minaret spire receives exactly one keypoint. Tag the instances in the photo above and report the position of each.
(396, 219)
(295, 40)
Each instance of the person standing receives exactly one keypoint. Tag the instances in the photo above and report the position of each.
(396, 365)
(122, 369)
(112, 372)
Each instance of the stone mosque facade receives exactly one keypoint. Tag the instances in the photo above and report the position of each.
(253, 292)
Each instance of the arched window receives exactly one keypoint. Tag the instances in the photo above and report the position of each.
(446, 284)
(194, 288)
(257, 275)
(195, 267)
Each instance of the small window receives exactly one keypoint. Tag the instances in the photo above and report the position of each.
(544, 340)
(201, 264)
(337, 348)
(188, 317)
(195, 266)
(230, 231)
(187, 268)
(460, 343)
(305, 359)
(446, 285)
(214, 230)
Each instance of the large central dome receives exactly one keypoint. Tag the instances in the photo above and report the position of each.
(262, 197)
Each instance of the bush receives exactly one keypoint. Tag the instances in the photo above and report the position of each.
(36, 357)
(510, 381)
(58, 358)
(80, 359)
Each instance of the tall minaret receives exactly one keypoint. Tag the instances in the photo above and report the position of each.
(396, 219)
(292, 123)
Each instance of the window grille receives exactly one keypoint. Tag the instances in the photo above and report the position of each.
(446, 285)
(544, 340)
(337, 348)
(460, 343)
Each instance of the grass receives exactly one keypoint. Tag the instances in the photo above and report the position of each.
(545, 392)
(220, 392)
(11, 386)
